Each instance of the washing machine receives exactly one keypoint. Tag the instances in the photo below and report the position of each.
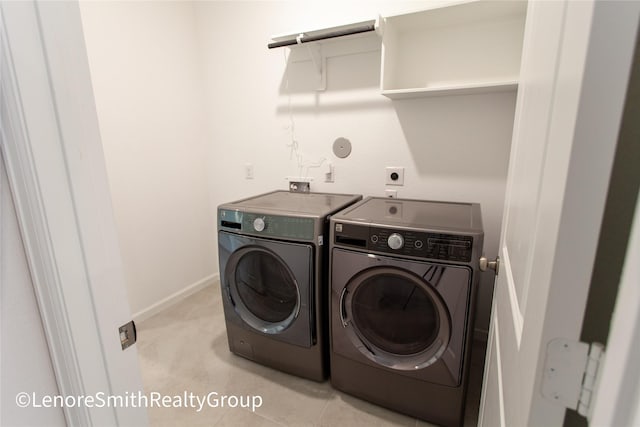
(403, 280)
(272, 251)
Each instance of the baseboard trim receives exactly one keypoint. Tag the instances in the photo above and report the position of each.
(175, 297)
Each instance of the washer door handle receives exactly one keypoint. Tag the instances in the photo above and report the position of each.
(227, 292)
(343, 313)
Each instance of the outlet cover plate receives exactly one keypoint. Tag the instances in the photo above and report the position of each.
(394, 175)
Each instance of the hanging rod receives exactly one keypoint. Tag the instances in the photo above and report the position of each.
(330, 34)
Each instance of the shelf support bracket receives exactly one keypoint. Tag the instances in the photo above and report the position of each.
(319, 62)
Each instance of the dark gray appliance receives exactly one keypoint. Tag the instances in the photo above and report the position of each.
(403, 288)
(273, 272)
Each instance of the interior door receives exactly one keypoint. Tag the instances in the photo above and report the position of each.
(573, 80)
(53, 154)
(26, 364)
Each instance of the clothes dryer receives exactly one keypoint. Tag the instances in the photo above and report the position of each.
(273, 278)
(403, 285)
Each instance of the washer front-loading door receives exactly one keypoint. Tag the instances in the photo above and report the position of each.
(269, 286)
(263, 289)
(395, 318)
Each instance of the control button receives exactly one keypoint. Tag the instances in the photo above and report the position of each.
(258, 224)
(374, 238)
(395, 241)
(418, 244)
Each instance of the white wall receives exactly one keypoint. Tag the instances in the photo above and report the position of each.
(145, 69)
(188, 93)
(25, 365)
(453, 148)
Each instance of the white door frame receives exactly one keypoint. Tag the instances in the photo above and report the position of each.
(618, 400)
(586, 86)
(54, 160)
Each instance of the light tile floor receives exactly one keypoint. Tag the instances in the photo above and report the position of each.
(184, 348)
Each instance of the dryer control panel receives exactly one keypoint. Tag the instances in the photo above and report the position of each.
(442, 246)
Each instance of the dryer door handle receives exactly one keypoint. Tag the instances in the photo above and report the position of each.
(343, 313)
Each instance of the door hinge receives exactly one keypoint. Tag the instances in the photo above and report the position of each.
(128, 334)
(571, 371)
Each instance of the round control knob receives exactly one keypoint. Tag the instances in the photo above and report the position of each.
(395, 241)
(258, 224)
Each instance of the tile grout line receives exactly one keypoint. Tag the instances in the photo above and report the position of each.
(324, 409)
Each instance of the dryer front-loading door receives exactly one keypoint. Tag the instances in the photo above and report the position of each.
(406, 315)
(395, 317)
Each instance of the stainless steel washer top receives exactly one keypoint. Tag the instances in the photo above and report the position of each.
(420, 214)
(283, 215)
(285, 202)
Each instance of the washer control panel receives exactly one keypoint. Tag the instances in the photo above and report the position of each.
(442, 246)
(395, 241)
(259, 224)
(287, 227)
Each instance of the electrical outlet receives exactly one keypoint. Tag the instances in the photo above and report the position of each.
(392, 194)
(395, 175)
(248, 171)
(329, 174)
